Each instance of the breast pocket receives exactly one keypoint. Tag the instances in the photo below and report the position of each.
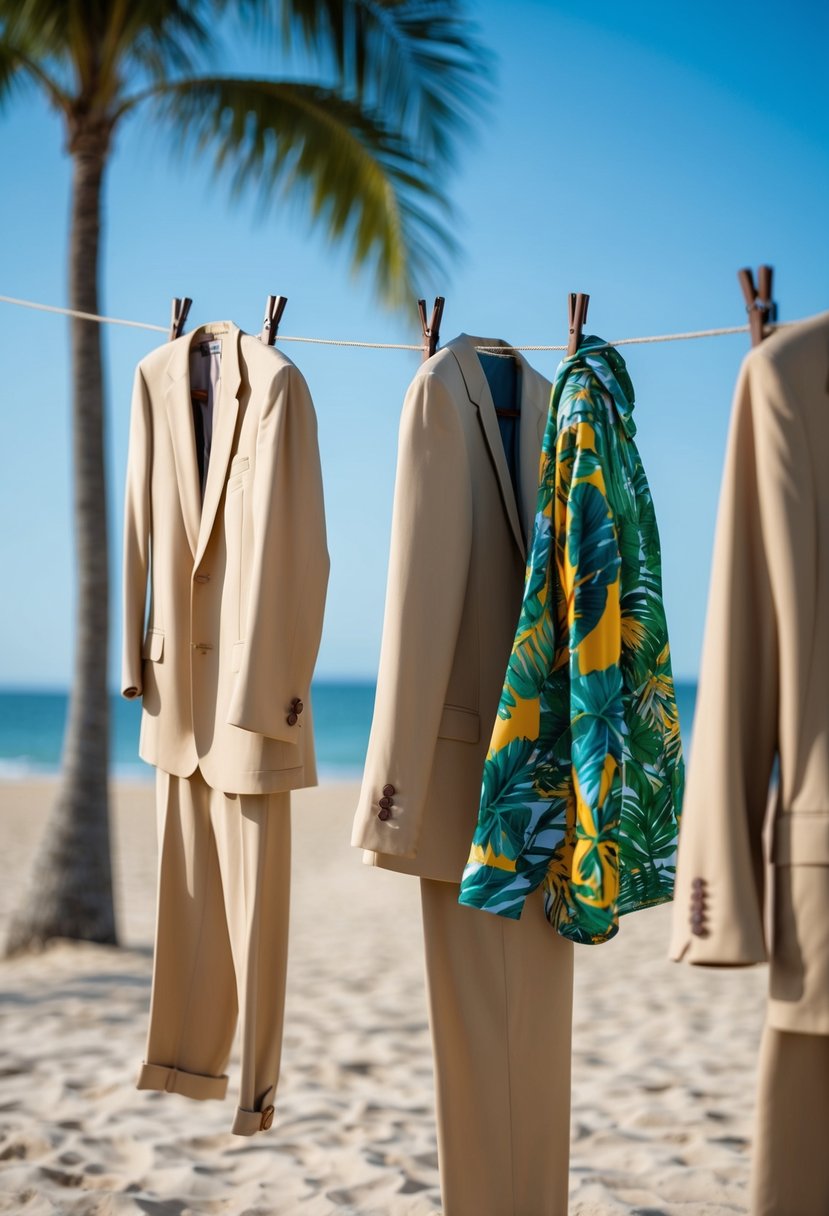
(239, 466)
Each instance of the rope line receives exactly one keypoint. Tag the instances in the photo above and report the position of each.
(84, 316)
(165, 329)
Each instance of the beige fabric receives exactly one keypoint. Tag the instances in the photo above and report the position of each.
(237, 583)
(790, 1174)
(456, 573)
(500, 996)
(763, 691)
(221, 946)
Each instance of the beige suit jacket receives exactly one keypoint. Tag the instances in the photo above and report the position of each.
(764, 693)
(238, 581)
(456, 574)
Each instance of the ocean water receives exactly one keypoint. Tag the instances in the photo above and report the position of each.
(32, 725)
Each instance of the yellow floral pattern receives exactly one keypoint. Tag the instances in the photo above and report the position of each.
(583, 781)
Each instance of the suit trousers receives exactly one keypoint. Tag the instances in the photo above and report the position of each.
(500, 1004)
(221, 948)
(790, 1174)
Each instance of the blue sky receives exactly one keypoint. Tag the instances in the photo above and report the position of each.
(639, 152)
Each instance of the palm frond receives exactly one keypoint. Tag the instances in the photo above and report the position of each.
(157, 37)
(17, 68)
(11, 76)
(419, 61)
(297, 140)
(38, 27)
(64, 35)
(91, 47)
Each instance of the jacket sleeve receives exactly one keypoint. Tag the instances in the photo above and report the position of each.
(431, 541)
(137, 525)
(289, 567)
(718, 908)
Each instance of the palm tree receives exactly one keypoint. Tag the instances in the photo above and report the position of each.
(364, 145)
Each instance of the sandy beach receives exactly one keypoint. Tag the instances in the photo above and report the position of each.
(664, 1056)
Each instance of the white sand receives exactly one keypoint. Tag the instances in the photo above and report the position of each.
(664, 1061)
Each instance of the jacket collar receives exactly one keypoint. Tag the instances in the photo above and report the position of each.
(199, 515)
(534, 395)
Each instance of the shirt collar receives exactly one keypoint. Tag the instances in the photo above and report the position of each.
(609, 367)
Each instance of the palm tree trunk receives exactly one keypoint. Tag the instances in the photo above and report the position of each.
(71, 890)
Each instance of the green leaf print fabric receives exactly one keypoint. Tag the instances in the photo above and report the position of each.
(583, 781)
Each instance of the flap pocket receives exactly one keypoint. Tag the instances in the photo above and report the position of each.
(801, 838)
(463, 725)
(238, 465)
(153, 646)
(236, 651)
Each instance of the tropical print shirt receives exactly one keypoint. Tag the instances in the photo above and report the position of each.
(582, 785)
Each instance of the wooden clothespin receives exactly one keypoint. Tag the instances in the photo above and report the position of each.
(274, 309)
(181, 309)
(431, 330)
(760, 306)
(577, 303)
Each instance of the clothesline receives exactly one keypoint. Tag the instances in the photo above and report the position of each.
(164, 329)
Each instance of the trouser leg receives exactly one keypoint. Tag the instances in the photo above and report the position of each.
(193, 1002)
(790, 1169)
(500, 998)
(253, 833)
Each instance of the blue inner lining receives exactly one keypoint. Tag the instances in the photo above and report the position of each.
(502, 377)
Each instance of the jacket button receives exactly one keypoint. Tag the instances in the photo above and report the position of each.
(267, 1119)
(384, 813)
(388, 791)
(202, 578)
(291, 719)
(297, 706)
(385, 803)
(698, 884)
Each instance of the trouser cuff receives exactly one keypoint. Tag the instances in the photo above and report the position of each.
(176, 1081)
(249, 1122)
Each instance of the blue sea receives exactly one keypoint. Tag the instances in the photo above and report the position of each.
(32, 725)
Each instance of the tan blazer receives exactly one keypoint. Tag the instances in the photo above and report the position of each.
(764, 692)
(238, 582)
(456, 572)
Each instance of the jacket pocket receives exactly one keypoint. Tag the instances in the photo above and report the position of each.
(153, 648)
(801, 838)
(461, 725)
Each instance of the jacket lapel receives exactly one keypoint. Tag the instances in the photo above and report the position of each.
(199, 516)
(180, 418)
(477, 387)
(225, 413)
